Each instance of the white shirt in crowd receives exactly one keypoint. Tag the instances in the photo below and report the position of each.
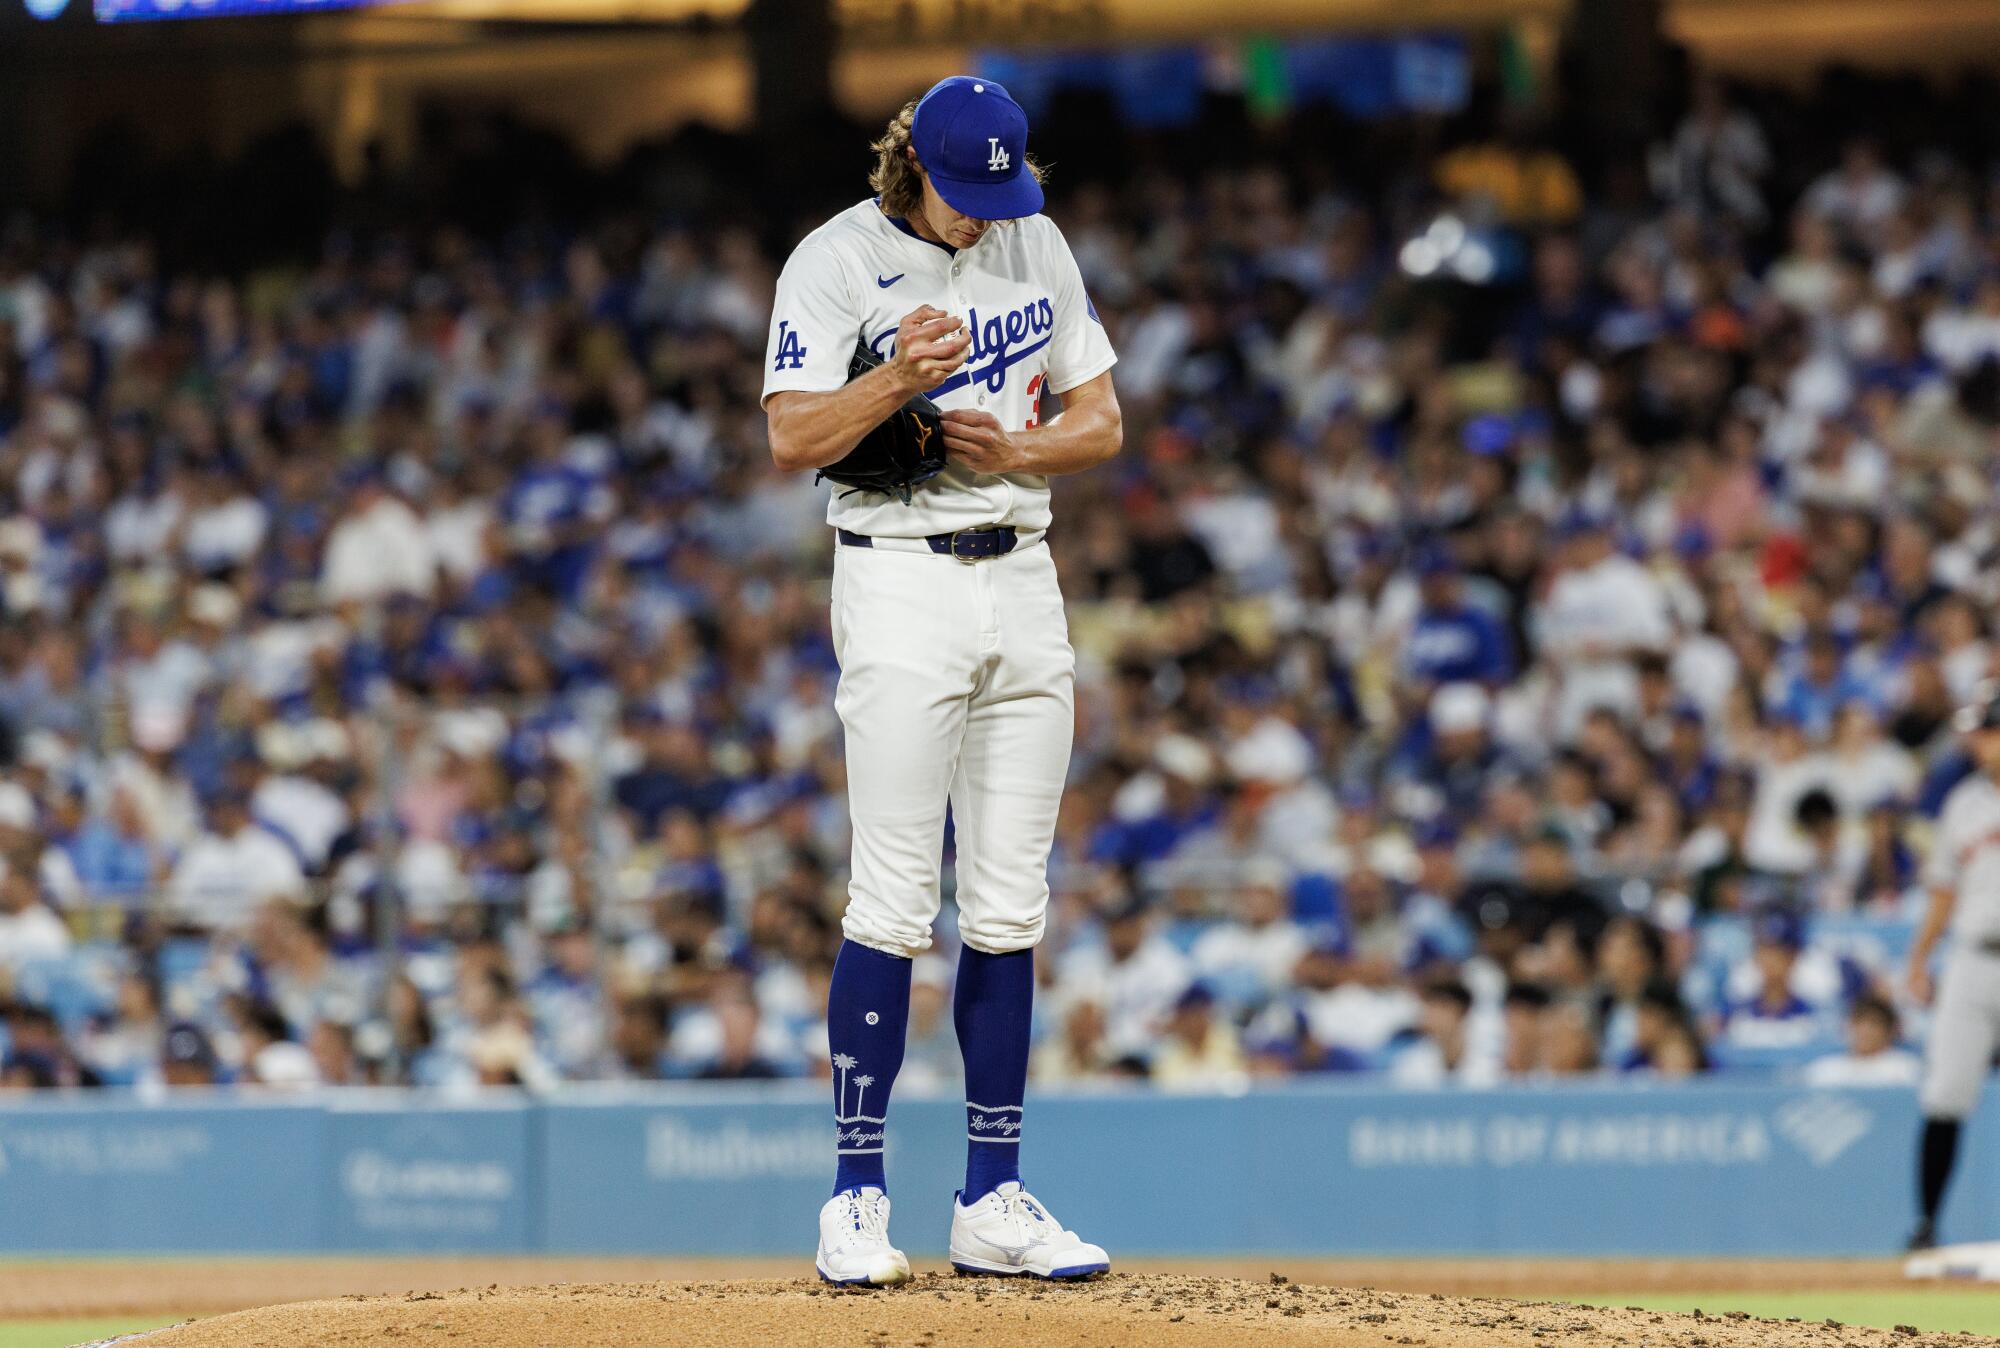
(225, 534)
(1890, 1067)
(31, 935)
(312, 816)
(138, 528)
(381, 551)
(1360, 1017)
(1616, 603)
(1235, 953)
(1135, 992)
(285, 1066)
(219, 880)
(165, 801)
(1422, 1065)
(457, 535)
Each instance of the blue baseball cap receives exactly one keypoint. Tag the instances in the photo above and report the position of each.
(972, 138)
(1435, 559)
(1780, 927)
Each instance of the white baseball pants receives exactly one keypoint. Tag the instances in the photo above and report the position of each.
(1965, 1030)
(957, 683)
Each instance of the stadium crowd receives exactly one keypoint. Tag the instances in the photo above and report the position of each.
(1520, 637)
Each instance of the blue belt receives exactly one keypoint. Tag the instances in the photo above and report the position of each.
(968, 545)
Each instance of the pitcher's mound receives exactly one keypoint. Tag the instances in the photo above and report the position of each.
(940, 1310)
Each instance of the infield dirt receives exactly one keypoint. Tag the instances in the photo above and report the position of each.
(940, 1310)
(211, 1285)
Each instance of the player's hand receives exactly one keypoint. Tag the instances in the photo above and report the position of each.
(1920, 984)
(930, 344)
(980, 442)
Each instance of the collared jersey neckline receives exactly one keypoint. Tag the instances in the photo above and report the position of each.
(900, 223)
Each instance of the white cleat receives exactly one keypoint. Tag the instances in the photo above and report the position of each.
(854, 1248)
(1009, 1232)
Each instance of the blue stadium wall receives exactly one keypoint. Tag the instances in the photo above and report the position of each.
(1698, 1170)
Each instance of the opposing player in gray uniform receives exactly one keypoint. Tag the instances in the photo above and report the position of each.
(1963, 875)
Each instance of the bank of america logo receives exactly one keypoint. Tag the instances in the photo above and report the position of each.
(1824, 1126)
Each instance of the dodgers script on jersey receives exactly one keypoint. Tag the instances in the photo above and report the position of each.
(1965, 858)
(1032, 329)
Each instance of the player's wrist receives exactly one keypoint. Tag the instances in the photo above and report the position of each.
(907, 383)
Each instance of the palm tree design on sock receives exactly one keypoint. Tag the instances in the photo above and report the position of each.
(861, 1085)
(841, 1064)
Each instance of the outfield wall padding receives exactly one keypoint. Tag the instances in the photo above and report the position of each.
(1707, 1169)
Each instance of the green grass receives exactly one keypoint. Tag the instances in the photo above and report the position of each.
(63, 1333)
(1928, 1307)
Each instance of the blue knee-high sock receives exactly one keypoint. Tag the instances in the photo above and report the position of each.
(867, 1013)
(991, 1008)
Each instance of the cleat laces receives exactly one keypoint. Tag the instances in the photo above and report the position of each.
(868, 1220)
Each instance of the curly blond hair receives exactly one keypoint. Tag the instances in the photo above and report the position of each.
(895, 177)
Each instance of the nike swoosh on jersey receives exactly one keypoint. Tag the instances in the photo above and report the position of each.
(891, 281)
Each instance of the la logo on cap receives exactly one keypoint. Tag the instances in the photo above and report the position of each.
(972, 139)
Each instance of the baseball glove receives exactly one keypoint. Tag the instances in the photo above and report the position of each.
(906, 449)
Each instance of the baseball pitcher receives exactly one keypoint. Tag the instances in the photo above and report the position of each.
(912, 340)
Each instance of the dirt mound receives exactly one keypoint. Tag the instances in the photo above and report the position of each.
(941, 1311)
(176, 1288)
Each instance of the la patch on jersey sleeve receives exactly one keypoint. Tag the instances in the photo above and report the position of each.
(813, 325)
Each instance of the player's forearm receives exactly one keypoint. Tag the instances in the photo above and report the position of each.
(812, 430)
(1937, 915)
(1080, 437)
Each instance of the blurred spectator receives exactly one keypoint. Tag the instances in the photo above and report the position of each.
(736, 1056)
(1451, 640)
(1247, 958)
(1773, 1015)
(231, 867)
(1515, 581)
(1569, 1041)
(187, 1058)
(1135, 976)
(124, 1047)
(1524, 1009)
(639, 1040)
(1198, 1050)
(1631, 957)
(1716, 160)
(1665, 1039)
(1874, 1055)
(29, 932)
(1442, 1049)
(270, 1056)
(335, 1062)
(1077, 1052)
(931, 1059)
(37, 1056)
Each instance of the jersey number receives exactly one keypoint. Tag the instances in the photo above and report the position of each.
(1034, 402)
(790, 348)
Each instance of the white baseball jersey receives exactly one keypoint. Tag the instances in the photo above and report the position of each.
(1965, 858)
(1965, 1024)
(1032, 328)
